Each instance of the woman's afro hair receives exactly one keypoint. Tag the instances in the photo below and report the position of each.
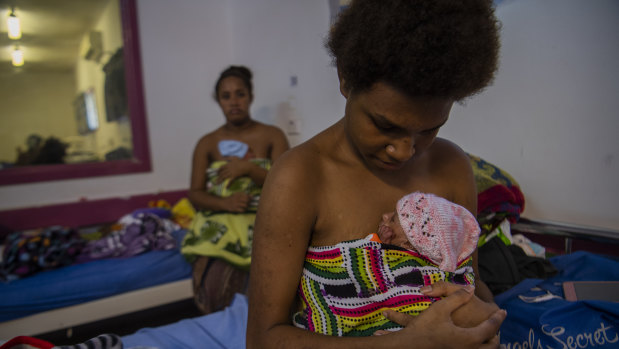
(434, 48)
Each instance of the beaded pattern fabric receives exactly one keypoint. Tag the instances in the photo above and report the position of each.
(344, 288)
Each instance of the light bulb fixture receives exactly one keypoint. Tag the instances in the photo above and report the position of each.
(14, 26)
(17, 57)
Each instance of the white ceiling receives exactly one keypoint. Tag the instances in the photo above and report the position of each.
(51, 32)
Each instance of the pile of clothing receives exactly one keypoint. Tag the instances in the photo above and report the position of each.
(504, 260)
(26, 253)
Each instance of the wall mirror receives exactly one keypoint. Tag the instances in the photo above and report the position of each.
(75, 108)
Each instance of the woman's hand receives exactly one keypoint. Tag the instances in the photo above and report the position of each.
(435, 325)
(237, 202)
(235, 168)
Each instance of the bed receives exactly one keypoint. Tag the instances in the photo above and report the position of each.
(539, 316)
(62, 299)
(545, 320)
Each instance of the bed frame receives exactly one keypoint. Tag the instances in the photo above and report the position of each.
(562, 238)
(88, 213)
(66, 319)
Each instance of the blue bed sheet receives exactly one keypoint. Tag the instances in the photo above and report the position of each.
(90, 281)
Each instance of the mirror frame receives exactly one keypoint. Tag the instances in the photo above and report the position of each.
(141, 161)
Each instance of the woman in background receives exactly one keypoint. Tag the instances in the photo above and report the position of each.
(229, 167)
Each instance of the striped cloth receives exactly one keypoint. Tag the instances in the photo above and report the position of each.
(344, 288)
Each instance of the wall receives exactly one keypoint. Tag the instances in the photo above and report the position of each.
(296, 51)
(547, 120)
(550, 119)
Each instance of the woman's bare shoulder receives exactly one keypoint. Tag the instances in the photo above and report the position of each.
(307, 162)
(268, 132)
(447, 155)
(265, 129)
(300, 158)
(209, 140)
(452, 167)
(269, 128)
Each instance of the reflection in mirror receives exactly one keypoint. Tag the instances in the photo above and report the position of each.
(75, 107)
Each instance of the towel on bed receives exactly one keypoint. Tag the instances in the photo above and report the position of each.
(225, 235)
(345, 287)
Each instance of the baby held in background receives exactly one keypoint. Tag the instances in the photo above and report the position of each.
(439, 230)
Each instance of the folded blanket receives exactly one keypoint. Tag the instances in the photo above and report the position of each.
(223, 234)
(344, 288)
(139, 232)
(498, 195)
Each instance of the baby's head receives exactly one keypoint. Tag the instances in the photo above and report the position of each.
(390, 231)
(439, 229)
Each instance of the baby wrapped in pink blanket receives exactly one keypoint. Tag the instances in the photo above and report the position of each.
(444, 232)
(426, 238)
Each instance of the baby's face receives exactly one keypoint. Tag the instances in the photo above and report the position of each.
(390, 231)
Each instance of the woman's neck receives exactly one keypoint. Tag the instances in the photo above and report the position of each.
(245, 125)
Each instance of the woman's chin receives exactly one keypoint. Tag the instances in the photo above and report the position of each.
(239, 120)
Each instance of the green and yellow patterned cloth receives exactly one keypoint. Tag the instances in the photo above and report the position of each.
(225, 235)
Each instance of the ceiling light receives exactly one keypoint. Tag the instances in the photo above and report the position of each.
(14, 26)
(17, 57)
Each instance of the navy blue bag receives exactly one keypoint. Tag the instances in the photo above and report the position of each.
(538, 316)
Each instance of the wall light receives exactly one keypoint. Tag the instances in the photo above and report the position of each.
(17, 57)
(14, 26)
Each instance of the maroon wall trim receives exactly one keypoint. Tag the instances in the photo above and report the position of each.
(82, 213)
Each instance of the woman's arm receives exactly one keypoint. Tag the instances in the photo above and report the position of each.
(282, 234)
